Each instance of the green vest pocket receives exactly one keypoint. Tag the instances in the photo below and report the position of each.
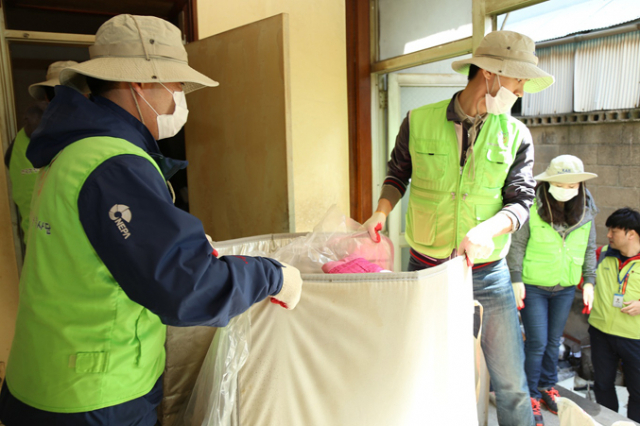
(497, 168)
(432, 159)
(423, 223)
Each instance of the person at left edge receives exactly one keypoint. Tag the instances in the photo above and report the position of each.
(112, 260)
(22, 173)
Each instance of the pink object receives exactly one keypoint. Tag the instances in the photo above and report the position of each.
(351, 265)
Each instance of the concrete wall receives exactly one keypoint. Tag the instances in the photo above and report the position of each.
(318, 94)
(612, 150)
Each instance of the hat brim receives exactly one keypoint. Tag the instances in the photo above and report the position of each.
(565, 177)
(37, 90)
(538, 79)
(136, 70)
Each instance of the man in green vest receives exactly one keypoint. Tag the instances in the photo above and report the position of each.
(615, 318)
(111, 261)
(22, 173)
(470, 166)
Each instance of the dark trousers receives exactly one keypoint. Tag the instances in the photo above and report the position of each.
(606, 352)
(139, 412)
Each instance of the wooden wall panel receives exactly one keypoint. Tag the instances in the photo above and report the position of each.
(237, 138)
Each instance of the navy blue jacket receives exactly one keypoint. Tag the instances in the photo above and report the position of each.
(166, 264)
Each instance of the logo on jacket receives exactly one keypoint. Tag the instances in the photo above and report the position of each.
(120, 214)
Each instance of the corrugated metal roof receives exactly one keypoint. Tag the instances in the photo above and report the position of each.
(558, 99)
(607, 75)
(591, 75)
(559, 18)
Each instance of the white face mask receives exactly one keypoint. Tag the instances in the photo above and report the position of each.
(563, 194)
(502, 102)
(170, 124)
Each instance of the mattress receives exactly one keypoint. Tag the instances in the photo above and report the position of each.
(380, 349)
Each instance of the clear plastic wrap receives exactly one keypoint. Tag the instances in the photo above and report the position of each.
(214, 394)
(334, 238)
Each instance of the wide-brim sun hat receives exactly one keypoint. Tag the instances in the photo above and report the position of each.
(565, 169)
(137, 49)
(37, 90)
(509, 54)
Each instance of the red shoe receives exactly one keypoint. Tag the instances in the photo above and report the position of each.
(549, 399)
(537, 415)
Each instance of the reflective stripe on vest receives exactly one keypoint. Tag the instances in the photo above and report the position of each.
(80, 343)
(606, 317)
(23, 179)
(446, 201)
(549, 259)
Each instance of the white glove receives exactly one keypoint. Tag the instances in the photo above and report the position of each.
(477, 244)
(289, 294)
(520, 293)
(375, 224)
(213, 249)
(587, 297)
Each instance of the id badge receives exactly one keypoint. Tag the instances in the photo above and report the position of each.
(617, 300)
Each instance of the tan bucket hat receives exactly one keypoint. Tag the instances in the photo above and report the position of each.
(565, 169)
(53, 79)
(510, 54)
(138, 49)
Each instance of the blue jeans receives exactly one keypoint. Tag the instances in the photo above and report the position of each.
(501, 342)
(606, 352)
(544, 316)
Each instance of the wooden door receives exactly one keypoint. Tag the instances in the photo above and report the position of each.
(238, 136)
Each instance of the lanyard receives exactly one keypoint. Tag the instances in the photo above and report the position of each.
(622, 283)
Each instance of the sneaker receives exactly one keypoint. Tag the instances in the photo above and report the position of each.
(537, 415)
(549, 399)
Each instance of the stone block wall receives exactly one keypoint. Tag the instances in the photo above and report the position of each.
(612, 150)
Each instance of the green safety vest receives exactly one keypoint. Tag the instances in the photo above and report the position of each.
(23, 178)
(550, 259)
(446, 201)
(606, 317)
(80, 343)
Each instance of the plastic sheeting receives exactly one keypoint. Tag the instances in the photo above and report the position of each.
(362, 349)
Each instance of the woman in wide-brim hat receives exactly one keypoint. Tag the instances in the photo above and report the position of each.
(548, 258)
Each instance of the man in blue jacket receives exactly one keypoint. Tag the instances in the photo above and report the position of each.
(111, 260)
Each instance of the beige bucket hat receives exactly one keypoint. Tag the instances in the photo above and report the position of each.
(37, 91)
(137, 49)
(510, 54)
(565, 169)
